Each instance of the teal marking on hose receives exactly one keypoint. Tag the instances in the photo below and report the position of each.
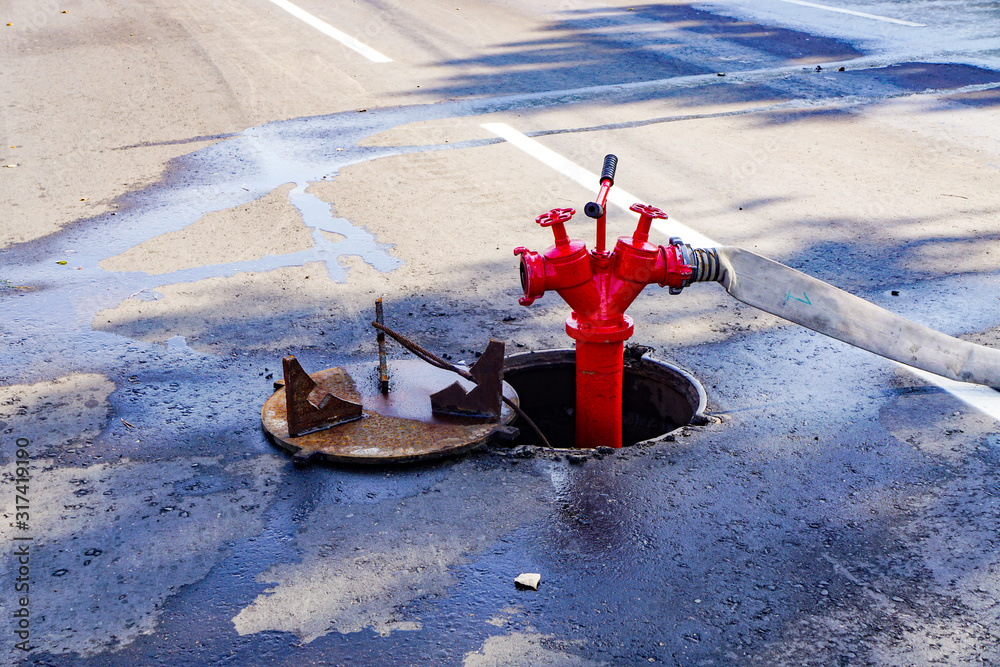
(795, 298)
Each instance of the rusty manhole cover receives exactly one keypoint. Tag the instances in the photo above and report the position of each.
(397, 428)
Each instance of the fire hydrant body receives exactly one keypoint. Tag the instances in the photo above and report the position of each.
(599, 286)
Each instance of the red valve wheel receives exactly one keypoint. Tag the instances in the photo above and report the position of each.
(646, 209)
(556, 215)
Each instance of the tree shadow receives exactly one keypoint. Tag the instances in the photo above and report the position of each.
(591, 47)
(900, 261)
(653, 42)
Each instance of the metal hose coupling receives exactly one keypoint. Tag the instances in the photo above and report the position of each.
(705, 265)
(703, 262)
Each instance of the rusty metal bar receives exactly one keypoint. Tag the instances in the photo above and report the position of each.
(383, 366)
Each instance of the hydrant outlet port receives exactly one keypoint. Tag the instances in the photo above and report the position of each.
(657, 397)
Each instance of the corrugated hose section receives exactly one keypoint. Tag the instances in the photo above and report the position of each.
(707, 267)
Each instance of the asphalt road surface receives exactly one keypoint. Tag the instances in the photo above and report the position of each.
(190, 191)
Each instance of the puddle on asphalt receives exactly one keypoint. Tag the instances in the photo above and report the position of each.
(238, 171)
(179, 343)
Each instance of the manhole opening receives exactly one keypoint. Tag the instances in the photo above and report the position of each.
(657, 398)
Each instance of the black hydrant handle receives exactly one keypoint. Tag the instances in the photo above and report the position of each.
(610, 163)
(595, 209)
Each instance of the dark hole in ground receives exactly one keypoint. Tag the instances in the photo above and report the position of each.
(657, 397)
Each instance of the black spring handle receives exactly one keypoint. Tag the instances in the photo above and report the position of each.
(594, 209)
(610, 163)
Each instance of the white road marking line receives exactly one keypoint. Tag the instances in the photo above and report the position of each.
(855, 13)
(591, 181)
(330, 31)
(982, 398)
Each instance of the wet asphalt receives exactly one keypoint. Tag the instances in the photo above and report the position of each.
(836, 510)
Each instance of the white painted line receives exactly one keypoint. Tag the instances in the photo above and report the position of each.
(852, 12)
(592, 181)
(330, 31)
(982, 398)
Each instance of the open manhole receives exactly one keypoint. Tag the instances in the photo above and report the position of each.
(657, 397)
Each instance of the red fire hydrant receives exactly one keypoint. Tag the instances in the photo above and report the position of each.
(599, 286)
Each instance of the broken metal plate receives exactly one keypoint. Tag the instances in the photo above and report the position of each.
(483, 401)
(396, 428)
(310, 408)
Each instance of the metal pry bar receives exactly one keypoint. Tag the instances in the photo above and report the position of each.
(383, 366)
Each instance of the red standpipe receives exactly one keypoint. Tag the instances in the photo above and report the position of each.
(599, 286)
